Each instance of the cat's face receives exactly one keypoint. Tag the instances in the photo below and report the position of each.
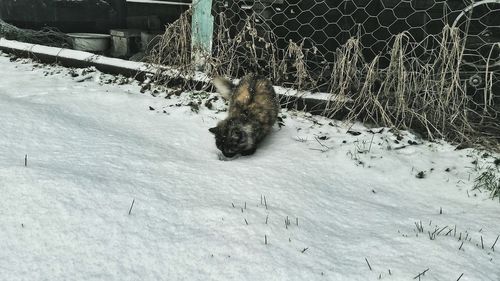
(232, 137)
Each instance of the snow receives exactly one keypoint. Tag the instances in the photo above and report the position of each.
(94, 146)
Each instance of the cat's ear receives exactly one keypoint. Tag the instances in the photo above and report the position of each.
(214, 130)
(223, 86)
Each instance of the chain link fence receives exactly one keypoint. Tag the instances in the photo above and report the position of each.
(428, 65)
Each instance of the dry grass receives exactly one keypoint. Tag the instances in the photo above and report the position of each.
(425, 97)
(489, 181)
(173, 50)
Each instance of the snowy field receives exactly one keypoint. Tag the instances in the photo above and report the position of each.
(333, 201)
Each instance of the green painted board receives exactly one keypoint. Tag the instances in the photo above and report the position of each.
(202, 28)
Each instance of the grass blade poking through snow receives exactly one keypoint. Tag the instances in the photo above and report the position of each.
(493, 247)
(421, 274)
(489, 180)
(131, 206)
(369, 266)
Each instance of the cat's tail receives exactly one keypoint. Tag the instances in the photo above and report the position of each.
(223, 86)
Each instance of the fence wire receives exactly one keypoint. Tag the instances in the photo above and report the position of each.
(428, 65)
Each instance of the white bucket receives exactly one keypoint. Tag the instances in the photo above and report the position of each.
(93, 42)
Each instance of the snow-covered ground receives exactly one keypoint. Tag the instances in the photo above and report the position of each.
(331, 205)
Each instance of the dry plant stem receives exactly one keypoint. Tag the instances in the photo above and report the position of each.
(369, 266)
(493, 246)
(131, 206)
(421, 274)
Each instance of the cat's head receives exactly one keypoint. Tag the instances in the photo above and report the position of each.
(233, 136)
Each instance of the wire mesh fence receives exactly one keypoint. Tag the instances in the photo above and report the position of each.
(428, 65)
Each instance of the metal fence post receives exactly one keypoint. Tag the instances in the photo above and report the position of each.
(202, 25)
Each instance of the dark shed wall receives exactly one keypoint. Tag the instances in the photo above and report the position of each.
(66, 15)
(159, 14)
(90, 15)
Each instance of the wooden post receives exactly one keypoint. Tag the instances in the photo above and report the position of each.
(202, 25)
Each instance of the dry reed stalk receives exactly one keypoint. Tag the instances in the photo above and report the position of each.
(173, 49)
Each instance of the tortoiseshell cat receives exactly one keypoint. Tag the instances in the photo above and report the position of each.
(253, 109)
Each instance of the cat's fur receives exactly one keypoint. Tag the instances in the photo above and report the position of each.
(253, 109)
